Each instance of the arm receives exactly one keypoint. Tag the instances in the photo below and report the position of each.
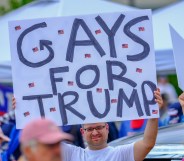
(13, 103)
(143, 147)
(181, 100)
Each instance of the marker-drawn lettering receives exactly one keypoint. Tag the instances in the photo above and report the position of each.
(146, 47)
(43, 43)
(39, 98)
(73, 42)
(54, 80)
(111, 32)
(92, 107)
(63, 107)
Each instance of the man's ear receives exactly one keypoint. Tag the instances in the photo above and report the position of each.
(27, 151)
(82, 131)
(107, 126)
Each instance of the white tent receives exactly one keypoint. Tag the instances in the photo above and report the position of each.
(172, 14)
(47, 8)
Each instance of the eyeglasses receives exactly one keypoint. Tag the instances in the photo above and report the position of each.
(98, 128)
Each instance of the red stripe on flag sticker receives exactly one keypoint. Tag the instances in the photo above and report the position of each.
(26, 113)
(87, 56)
(114, 100)
(141, 29)
(17, 28)
(98, 31)
(139, 70)
(52, 109)
(70, 83)
(99, 90)
(35, 49)
(60, 31)
(124, 45)
(154, 111)
(31, 85)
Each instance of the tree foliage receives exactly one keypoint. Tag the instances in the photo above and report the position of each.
(13, 4)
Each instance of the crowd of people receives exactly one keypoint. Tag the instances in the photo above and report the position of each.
(86, 142)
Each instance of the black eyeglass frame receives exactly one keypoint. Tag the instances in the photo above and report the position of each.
(97, 128)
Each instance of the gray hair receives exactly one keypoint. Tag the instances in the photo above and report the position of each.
(32, 144)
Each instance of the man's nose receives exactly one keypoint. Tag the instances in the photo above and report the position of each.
(94, 131)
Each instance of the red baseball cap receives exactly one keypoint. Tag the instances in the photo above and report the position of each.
(44, 131)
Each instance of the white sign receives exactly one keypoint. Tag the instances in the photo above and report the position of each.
(178, 50)
(84, 69)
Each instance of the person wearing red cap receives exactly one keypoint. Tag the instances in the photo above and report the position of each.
(40, 141)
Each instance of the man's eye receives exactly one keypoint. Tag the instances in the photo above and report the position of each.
(90, 129)
(98, 128)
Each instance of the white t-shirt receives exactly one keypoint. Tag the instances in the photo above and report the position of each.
(119, 153)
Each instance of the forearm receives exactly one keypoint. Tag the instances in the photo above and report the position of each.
(181, 100)
(150, 133)
(143, 147)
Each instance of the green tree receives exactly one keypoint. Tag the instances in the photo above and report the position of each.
(13, 4)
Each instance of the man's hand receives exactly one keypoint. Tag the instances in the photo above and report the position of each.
(181, 100)
(158, 98)
(13, 103)
(143, 147)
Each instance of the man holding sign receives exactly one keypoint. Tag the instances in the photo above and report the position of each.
(91, 68)
(40, 140)
(96, 136)
(87, 69)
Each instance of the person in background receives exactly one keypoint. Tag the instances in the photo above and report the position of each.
(167, 88)
(40, 141)
(175, 115)
(131, 127)
(3, 142)
(164, 109)
(181, 100)
(3, 138)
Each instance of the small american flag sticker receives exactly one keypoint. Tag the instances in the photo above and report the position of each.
(70, 83)
(60, 31)
(52, 109)
(17, 28)
(35, 49)
(98, 31)
(99, 90)
(154, 111)
(31, 85)
(141, 29)
(138, 70)
(114, 100)
(26, 114)
(124, 45)
(87, 55)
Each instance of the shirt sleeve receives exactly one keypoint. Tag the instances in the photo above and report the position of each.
(71, 152)
(66, 151)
